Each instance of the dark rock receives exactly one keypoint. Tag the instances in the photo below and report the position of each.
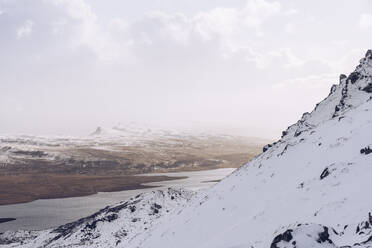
(284, 133)
(342, 76)
(333, 88)
(110, 217)
(367, 150)
(364, 226)
(284, 150)
(369, 54)
(155, 208)
(132, 208)
(324, 236)
(353, 77)
(107, 218)
(297, 133)
(368, 240)
(286, 237)
(265, 148)
(368, 88)
(324, 174)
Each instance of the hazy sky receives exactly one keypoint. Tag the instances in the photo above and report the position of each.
(67, 66)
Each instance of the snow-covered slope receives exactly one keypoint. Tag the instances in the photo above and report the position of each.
(111, 226)
(312, 188)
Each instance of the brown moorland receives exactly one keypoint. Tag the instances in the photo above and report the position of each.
(23, 188)
(35, 170)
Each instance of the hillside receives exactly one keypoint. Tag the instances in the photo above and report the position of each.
(309, 189)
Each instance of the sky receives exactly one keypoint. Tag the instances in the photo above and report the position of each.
(68, 66)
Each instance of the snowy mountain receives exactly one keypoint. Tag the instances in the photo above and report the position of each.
(309, 189)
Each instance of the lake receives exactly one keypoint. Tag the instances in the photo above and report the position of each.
(43, 214)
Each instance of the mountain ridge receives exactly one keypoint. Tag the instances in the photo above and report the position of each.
(314, 130)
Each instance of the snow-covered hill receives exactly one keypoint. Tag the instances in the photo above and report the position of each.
(309, 189)
(312, 188)
(111, 226)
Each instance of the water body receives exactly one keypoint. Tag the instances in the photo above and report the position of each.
(43, 214)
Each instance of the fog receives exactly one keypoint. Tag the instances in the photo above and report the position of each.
(68, 66)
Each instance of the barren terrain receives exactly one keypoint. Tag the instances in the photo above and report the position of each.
(22, 188)
(38, 167)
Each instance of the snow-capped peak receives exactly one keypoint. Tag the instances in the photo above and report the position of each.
(352, 91)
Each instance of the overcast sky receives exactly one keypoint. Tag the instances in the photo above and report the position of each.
(67, 66)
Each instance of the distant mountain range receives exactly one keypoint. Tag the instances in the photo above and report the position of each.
(128, 148)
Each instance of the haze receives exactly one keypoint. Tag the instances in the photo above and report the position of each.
(67, 66)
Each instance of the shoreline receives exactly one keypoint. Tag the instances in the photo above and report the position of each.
(44, 214)
(110, 183)
(115, 184)
(4, 220)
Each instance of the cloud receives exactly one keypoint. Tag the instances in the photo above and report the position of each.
(218, 24)
(365, 21)
(281, 58)
(231, 21)
(25, 30)
(289, 28)
(291, 12)
(256, 11)
(75, 22)
(222, 31)
(219, 29)
(83, 27)
(112, 65)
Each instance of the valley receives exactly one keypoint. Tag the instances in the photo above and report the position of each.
(36, 167)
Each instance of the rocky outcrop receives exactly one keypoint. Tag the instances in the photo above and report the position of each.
(320, 236)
